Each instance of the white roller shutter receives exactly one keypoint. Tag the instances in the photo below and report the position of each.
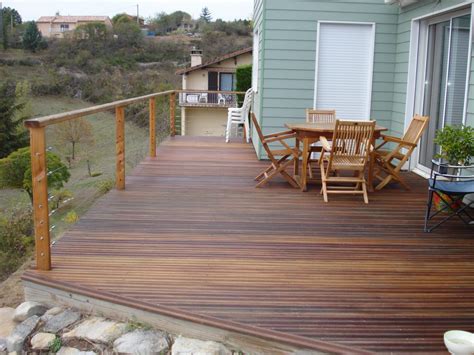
(344, 65)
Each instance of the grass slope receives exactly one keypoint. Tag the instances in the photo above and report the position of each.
(102, 156)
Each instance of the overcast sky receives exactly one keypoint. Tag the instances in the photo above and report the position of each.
(225, 9)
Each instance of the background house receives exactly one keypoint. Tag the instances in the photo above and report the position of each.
(205, 114)
(57, 26)
(375, 60)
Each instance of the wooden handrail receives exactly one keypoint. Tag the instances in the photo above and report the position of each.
(66, 116)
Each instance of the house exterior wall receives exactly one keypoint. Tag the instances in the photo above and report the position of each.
(287, 53)
(50, 30)
(208, 121)
(198, 79)
(259, 21)
(288, 56)
(201, 121)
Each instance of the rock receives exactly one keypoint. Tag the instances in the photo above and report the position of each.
(142, 342)
(54, 311)
(20, 333)
(42, 341)
(28, 309)
(73, 351)
(97, 330)
(3, 346)
(188, 346)
(6, 321)
(61, 321)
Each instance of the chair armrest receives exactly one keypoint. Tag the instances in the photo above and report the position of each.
(397, 140)
(325, 143)
(281, 137)
(277, 134)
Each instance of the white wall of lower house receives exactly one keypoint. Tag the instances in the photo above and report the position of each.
(204, 121)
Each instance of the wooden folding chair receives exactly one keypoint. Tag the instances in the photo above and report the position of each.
(390, 162)
(287, 155)
(318, 116)
(348, 151)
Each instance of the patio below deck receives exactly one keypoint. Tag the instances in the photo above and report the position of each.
(192, 238)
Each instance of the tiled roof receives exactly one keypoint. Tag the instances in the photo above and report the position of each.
(215, 60)
(72, 19)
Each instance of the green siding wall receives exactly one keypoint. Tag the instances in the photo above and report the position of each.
(289, 50)
(288, 54)
(406, 16)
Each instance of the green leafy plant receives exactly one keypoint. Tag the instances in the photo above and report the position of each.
(243, 75)
(55, 345)
(71, 217)
(457, 144)
(15, 171)
(105, 186)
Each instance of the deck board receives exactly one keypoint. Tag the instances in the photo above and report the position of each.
(192, 233)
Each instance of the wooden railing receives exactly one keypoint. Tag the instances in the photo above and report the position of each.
(39, 171)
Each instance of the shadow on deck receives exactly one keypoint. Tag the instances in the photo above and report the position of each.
(192, 240)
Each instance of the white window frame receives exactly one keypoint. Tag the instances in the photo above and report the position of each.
(255, 60)
(372, 56)
(417, 68)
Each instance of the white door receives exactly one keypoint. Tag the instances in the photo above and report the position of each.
(344, 67)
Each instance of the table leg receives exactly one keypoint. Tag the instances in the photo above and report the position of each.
(304, 166)
(297, 161)
(370, 179)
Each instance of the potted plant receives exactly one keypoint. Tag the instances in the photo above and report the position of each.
(457, 144)
(457, 149)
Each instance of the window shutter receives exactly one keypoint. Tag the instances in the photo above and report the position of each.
(344, 69)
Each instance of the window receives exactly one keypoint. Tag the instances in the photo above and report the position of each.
(64, 27)
(226, 81)
(256, 47)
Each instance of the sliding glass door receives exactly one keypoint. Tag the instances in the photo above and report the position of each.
(446, 72)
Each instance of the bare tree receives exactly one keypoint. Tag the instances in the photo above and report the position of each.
(74, 132)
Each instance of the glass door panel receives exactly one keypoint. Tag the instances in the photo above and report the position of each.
(445, 80)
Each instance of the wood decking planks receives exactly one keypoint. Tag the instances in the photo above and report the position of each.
(192, 233)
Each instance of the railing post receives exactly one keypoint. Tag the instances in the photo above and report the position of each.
(120, 147)
(39, 175)
(173, 114)
(152, 109)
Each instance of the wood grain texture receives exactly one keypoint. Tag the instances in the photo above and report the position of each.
(152, 126)
(192, 233)
(39, 175)
(120, 148)
(173, 114)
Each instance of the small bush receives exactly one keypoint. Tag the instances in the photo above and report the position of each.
(71, 217)
(55, 345)
(243, 75)
(105, 186)
(16, 240)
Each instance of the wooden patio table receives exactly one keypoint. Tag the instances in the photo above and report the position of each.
(308, 133)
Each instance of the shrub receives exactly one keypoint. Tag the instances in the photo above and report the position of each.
(16, 241)
(105, 186)
(71, 217)
(15, 171)
(243, 75)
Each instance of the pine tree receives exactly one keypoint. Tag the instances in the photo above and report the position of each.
(11, 135)
(32, 39)
(206, 15)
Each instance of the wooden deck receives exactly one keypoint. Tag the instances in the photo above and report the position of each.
(191, 234)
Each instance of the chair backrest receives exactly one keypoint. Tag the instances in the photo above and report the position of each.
(352, 141)
(257, 127)
(247, 100)
(320, 116)
(415, 130)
